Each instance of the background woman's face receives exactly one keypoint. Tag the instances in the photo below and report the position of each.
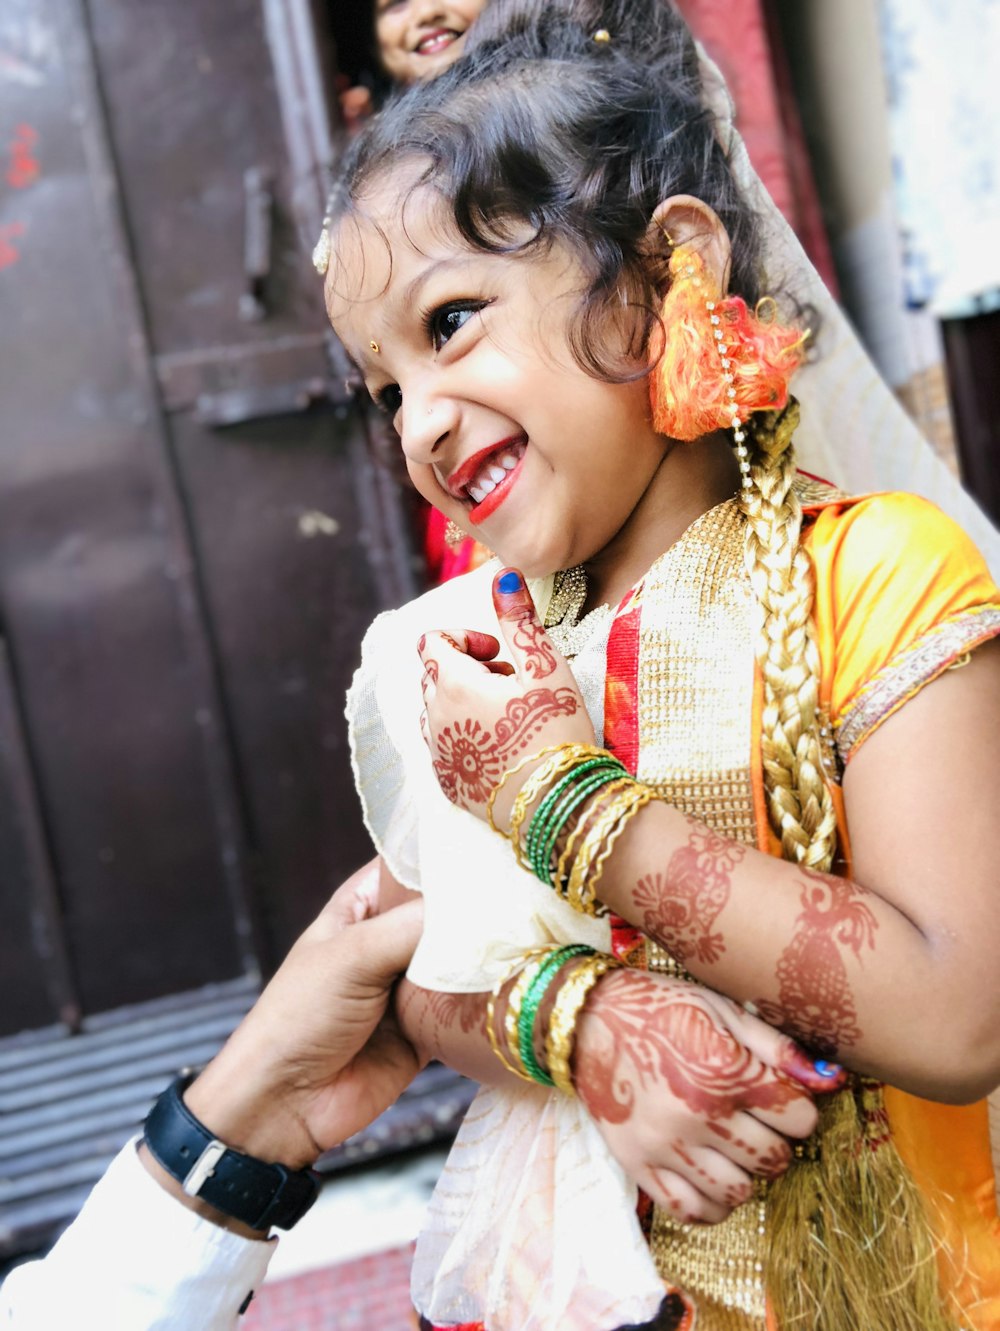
(417, 39)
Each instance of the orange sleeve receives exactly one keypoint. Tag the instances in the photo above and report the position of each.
(901, 595)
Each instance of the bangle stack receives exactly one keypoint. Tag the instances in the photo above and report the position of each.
(575, 969)
(583, 800)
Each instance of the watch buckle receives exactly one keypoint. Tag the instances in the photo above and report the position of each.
(204, 1167)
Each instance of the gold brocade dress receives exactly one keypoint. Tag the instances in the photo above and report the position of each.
(682, 706)
(532, 1226)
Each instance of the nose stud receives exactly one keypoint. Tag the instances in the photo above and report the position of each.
(375, 346)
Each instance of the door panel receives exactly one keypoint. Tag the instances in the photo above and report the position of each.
(117, 709)
(192, 533)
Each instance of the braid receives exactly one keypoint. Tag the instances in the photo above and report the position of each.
(799, 802)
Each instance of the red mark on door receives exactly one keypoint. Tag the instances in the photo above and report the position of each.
(24, 168)
(9, 253)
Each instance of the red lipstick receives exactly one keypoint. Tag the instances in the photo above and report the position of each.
(471, 467)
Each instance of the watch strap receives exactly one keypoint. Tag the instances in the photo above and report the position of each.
(253, 1191)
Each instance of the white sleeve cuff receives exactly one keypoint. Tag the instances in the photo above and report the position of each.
(136, 1260)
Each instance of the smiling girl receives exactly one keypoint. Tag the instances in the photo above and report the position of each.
(745, 758)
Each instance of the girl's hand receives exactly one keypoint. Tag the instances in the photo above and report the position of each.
(483, 716)
(691, 1093)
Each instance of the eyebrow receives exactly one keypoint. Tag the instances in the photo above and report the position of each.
(413, 288)
(407, 298)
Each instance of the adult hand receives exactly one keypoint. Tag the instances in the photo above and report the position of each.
(317, 1058)
(692, 1094)
(483, 716)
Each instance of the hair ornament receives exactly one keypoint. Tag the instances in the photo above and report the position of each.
(602, 37)
(321, 252)
(720, 360)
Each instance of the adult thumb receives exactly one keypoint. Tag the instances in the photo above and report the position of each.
(382, 946)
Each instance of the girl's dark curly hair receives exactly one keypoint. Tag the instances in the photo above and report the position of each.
(540, 125)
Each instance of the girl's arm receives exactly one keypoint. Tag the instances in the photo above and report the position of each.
(692, 1095)
(894, 972)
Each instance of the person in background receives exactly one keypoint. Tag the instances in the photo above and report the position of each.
(413, 40)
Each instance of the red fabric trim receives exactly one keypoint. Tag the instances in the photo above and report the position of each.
(621, 737)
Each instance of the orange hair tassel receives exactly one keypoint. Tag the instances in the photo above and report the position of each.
(720, 360)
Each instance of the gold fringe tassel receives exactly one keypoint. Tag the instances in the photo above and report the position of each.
(850, 1247)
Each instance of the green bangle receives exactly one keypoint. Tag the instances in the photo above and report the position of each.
(532, 1001)
(548, 838)
(546, 805)
(551, 807)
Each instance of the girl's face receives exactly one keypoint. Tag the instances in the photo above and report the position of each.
(417, 39)
(469, 354)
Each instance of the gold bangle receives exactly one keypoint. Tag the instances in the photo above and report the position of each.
(567, 756)
(529, 963)
(598, 844)
(561, 1036)
(567, 861)
(645, 796)
(513, 771)
(606, 817)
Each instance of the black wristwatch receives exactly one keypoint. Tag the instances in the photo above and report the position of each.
(253, 1191)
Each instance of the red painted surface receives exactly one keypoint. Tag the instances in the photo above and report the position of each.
(370, 1292)
(24, 169)
(9, 253)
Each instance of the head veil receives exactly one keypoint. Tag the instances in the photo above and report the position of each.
(854, 432)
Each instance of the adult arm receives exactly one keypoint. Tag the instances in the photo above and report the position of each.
(314, 1061)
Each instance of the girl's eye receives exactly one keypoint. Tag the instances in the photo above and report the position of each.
(445, 322)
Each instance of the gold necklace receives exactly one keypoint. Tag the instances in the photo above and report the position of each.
(565, 627)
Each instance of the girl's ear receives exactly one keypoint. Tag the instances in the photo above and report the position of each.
(684, 220)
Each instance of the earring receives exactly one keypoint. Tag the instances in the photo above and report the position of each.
(321, 252)
(720, 360)
(453, 535)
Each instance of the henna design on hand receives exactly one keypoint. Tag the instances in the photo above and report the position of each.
(775, 1161)
(471, 760)
(680, 1148)
(530, 637)
(430, 676)
(468, 764)
(652, 1035)
(526, 716)
(466, 1011)
(815, 1003)
(428, 1016)
(680, 906)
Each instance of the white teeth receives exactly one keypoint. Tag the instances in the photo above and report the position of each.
(495, 471)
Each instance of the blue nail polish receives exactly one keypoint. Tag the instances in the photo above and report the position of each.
(509, 583)
(826, 1069)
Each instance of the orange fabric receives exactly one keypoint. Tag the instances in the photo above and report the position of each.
(889, 569)
(947, 1149)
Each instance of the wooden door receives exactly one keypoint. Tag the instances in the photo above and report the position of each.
(193, 534)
